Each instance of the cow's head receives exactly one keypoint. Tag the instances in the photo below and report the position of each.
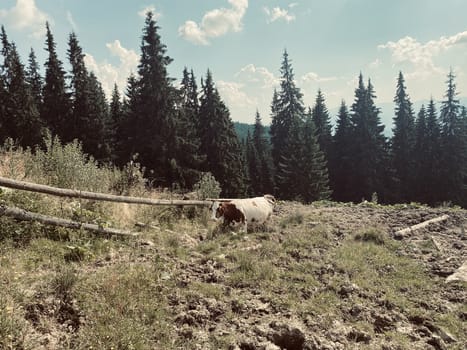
(215, 206)
(270, 198)
(220, 211)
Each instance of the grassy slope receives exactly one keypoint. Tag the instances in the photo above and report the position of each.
(333, 273)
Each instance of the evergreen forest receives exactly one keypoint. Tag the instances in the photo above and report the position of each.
(178, 132)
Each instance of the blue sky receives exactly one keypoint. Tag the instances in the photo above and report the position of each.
(242, 41)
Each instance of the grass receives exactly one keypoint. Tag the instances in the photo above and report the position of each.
(89, 292)
(291, 220)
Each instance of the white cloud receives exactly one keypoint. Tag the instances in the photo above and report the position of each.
(70, 20)
(150, 8)
(314, 77)
(375, 64)
(26, 16)
(109, 74)
(215, 23)
(261, 75)
(277, 13)
(421, 56)
(233, 94)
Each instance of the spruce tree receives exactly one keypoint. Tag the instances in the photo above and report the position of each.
(89, 117)
(426, 156)
(262, 145)
(34, 79)
(341, 160)
(322, 123)
(79, 92)
(20, 117)
(369, 149)
(453, 146)
(403, 143)
(3, 109)
(288, 115)
(290, 173)
(95, 142)
(115, 118)
(188, 157)
(150, 113)
(219, 141)
(55, 110)
(315, 185)
(126, 145)
(4, 115)
(253, 165)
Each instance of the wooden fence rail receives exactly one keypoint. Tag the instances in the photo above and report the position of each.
(24, 215)
(62, 192)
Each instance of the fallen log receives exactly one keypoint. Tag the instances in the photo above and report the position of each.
(24, 215)
(409, 230)
(459, 275)
(63, 192)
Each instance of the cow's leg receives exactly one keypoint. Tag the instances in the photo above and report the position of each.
(245, 226)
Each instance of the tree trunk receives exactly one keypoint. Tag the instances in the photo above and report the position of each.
(23, 215)
(62, 192)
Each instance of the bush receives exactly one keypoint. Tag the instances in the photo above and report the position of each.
(66, 166)
(207, 187)
(130, 178)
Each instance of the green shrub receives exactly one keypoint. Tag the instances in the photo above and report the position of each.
(207, 187)
(67, 166)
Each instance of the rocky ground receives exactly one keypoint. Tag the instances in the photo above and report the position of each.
(361, 318)
(323, 276)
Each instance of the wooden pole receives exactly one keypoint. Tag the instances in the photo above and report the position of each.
(407, 231)
(24, 215)
(62, 192)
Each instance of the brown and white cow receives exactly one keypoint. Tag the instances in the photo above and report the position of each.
(244, 211)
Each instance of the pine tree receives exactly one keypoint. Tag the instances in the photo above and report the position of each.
(20, 117)
(288, 114)
(115, 118)
(219, 141)
(79, 92)
(89, 113)
(290, 174)
(261, 143)
(56, 104)
(152, 112)
(426, 155)
(322, 123)
(403, 143)
(34, 79)
(126, 145)
(253, 166)
(188, 143)
(341, 160)
(315, 180)
(4, 97)
(369, 149)
(453, 146)
(95, 142)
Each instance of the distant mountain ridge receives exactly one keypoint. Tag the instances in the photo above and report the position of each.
(243, 128)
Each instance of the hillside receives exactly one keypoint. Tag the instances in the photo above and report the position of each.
(243, 128)
(322, 276)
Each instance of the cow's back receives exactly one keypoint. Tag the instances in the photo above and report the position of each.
(256, 209)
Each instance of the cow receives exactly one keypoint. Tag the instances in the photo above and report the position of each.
(244, 211)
